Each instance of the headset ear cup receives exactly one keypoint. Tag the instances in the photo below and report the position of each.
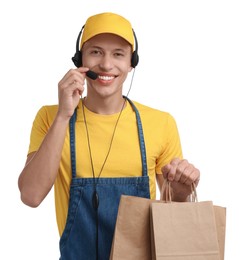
(77, 59)
(134, 59)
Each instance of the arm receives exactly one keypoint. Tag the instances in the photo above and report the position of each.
(181, 174)
(40, 171)
(41, 168)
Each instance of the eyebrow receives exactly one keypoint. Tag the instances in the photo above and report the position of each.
(100, 48)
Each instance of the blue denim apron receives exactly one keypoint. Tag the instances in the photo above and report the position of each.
(93, 206)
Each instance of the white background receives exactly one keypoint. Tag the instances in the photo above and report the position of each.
(191, 65)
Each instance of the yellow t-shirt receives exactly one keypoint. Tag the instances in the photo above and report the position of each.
(161, 140)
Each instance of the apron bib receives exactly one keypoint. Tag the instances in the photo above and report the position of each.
(93, 206)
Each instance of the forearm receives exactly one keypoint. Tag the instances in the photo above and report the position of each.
(40, 171)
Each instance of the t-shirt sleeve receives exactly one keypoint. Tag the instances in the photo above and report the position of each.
(40, 127)
(172, 148)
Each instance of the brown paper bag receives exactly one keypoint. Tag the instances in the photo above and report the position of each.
(131, 239)
(220, 218)
(187, 230)
(132, 236)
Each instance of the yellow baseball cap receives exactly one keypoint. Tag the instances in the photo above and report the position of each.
(107, 23)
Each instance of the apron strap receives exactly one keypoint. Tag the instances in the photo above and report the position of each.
(140, 134)
(72, 143)
(141, 138)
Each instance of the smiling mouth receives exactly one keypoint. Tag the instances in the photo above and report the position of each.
(106, 78)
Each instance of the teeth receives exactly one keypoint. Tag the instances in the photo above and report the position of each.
(105, 77)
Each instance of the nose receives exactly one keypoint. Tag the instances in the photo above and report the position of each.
(106, 63)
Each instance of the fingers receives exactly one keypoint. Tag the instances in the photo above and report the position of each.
(74, 75)
(169, 170)
(70, 88)
(181, 171)
(72, 84)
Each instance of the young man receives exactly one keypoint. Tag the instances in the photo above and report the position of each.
(95, 148)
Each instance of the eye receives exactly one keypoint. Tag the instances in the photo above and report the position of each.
(96, 52)
(119, 54)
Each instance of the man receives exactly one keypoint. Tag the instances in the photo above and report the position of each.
(95, 148)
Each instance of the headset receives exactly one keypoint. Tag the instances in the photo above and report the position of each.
(77, 59)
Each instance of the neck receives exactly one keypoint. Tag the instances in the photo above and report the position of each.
(104, 106)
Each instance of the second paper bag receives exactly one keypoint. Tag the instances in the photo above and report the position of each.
(132, 232)
(184, 231)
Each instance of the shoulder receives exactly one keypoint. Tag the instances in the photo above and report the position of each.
(48, 109)
(47, 113)
(153, 113)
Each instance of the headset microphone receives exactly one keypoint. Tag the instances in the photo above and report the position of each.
(91, 74)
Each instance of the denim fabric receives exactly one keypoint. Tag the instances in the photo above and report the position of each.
(85, 224)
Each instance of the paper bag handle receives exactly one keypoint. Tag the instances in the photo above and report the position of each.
(167, 190)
